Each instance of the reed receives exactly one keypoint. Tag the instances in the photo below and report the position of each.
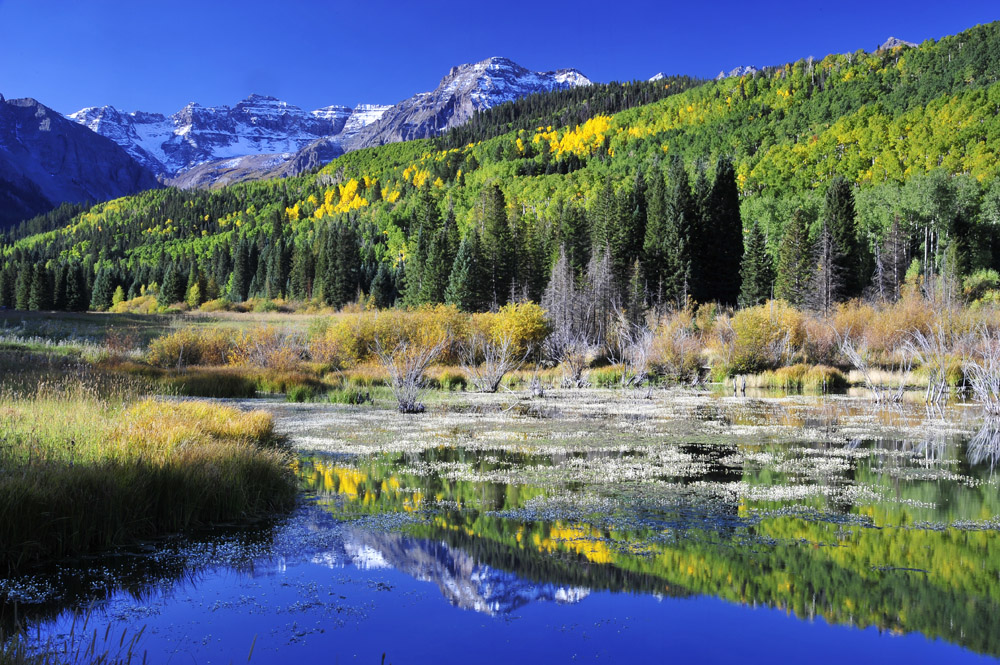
(78, 473)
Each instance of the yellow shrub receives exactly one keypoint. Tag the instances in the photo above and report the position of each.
(191, 346)
(524, 323)
(760, 337)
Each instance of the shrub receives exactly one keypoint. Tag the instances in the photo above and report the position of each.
(192, 346)
(758, 338)
(523, 324)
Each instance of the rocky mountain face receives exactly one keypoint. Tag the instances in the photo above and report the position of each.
(464, 581)
(465, 90)
(264, 137)
(197, 135)
(46, 160)
(742, 70)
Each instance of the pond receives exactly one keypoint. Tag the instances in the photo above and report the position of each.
(589, 525)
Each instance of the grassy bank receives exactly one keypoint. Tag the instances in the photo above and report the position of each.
(78, 473)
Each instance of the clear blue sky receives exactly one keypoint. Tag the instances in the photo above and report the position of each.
(157, 56)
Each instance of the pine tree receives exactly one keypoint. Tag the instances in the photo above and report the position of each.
(575, 237)
(341, 285)
(103, 291)
(701, 237)
(723, 255)
(171, 291)
(497, 244)
(240, 287)
(40, 296)
(794, 272)
(470, 282)
(840, 218)
(22, 285)
(7, 281)
(303, 272)
(756, 271)
(76, 288)
(383, 288)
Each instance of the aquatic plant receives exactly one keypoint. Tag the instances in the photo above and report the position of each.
(81, 474)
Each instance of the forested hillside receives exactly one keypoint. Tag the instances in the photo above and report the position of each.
(817, 181)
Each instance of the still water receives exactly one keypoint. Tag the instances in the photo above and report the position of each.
(768, 531)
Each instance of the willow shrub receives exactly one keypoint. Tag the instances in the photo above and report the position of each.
(78, 474)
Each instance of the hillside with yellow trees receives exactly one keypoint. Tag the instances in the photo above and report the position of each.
(715, 192)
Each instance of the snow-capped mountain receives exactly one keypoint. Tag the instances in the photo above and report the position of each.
(195, 135)
(466, 582)
(46, 160)
(463, 91)
(742, 70)
(261, 136)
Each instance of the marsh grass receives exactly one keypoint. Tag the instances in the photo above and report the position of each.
(801, 377)
(79, 473)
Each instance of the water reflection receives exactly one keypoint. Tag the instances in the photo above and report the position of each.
(896, 561)
(900, 535)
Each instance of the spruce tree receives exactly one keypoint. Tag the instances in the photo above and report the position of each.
(7, 280)
(40, 296)
(383, 288)
(723, 250)
(497, 244)
(470, 283)
(794, 272)
(103, 291)
(240, 287)
(827, 283)
(59, 287)
(839, 217)
(575, 237)
(303, 272)
(756, 271)
(22, 286)
(76, 288)
(171, 291)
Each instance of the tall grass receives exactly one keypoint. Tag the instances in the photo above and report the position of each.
(78, 473)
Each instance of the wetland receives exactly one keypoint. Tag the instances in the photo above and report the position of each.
(583, 525)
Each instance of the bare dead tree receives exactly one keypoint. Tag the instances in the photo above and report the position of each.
(982, 370)
(630, 345)
(984, 446)
(406, 364)
(487, 361)
(933, 352)
(882, 394)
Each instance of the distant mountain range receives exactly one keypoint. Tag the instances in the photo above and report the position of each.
(46, 160)
(262, 136)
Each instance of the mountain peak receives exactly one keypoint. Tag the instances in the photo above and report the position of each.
(893, 42)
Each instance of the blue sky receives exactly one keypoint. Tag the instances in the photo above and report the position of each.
(157, 56)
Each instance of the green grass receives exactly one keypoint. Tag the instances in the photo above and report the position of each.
(78, 473)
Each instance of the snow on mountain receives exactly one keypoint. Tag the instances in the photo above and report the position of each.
(463, 91)
(261, 136)
(742, 70)
(659, 76)
(196, 135)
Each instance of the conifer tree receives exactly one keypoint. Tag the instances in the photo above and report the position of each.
(22, 286)
(839, 218)
(827, 284)
(7, 281)
(575, 237)
(76, 288)
(794, 262)
(383, 288)
(470, 283)
(303, 272)
(104, 290)
(497, 244)
(171, 291)
(240, 287)
(723, 250)
(756, 271)
(58, 287)
(40, 296)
